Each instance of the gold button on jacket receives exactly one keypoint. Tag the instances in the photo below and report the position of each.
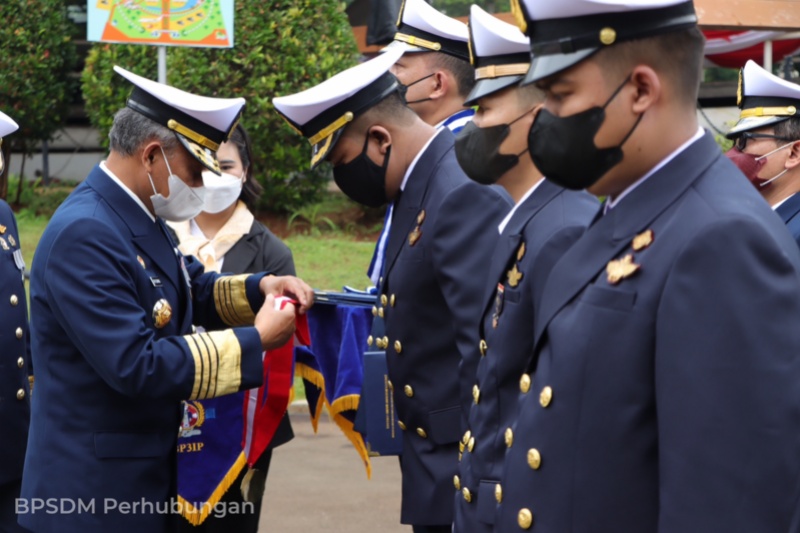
(467, 494)
(14, 300)
(20, 362)
(525, 518)
(457, 482)
(509, 436)
(476, 393)
(398, 347)
(19, 333)
(402, 426)
(409, 391)
(20, 394)
(498, 493)
(534, 458)
(421, 433)
(546, 396)
(525, 383)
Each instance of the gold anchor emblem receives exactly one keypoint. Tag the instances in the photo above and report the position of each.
(514, 276)
(643, 240)
(620, 269)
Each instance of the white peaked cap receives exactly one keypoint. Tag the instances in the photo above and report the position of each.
(565, 32)
(7, 125)
(201, 123)
(490, 36)
(321, 112)
(500, 54)
(427, 30)
(764, 98)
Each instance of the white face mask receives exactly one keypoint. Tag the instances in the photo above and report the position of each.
(221, 191)
(183, 202)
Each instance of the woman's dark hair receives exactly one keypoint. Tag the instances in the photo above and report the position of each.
(251, 191)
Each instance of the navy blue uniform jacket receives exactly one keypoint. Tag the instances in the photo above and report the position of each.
(112, 368)
(437, 255)
(14, 359)
(665, 398)
(788, 212)
(538, 233)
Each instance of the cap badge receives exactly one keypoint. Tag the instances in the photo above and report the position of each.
(619, 269)
(514, 276)
(162, 313)
(608, 36)
(643, 240)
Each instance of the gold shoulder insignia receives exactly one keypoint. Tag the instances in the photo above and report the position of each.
(514, 276)
(643, 240)
(620, 269)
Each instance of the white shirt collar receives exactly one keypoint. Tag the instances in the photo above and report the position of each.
(125, 188)
(776, 206)
(611, 204)
(510, 214)
(416, 158)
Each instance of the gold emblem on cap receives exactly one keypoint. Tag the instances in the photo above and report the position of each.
(620, 269)
(141, 261)
(608, 36)
(162, 313)
(519, 17)
(193, 135)
(514, 276)
(525, 518)
(3, 243)
(521, 252)
(643, 240)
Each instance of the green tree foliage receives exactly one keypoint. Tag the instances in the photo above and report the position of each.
(37, 57)
(281, 47)
(460, 8)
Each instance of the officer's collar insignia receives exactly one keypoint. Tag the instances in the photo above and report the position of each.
(643, 240)
(619, 269)
(2, 229)
(416, 233)
(162, 313)
(514, 276)
(141, 261)
(11, 240)
(521, 252)
(3, 244)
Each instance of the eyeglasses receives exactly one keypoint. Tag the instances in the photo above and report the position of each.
(741, 140)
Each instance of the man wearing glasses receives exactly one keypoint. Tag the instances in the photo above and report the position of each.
(767, 141)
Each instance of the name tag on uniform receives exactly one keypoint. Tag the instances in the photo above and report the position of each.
(155, 281)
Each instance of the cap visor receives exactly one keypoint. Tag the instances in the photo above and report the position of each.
(545, 66)
(321, 150)
(488, 86)
(207, 157)
(753, 123)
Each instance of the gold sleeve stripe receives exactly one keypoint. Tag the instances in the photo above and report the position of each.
(230, 298)
(217, 363)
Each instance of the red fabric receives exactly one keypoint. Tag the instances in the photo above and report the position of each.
(737, 58)
(272, 398)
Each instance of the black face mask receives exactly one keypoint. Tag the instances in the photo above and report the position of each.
(563, 148)
(478, 152)
(404, 90)
(362, 180)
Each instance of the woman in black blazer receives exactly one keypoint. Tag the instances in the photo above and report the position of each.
(227, 238)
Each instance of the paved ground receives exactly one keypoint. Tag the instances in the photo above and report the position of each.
(318, 483)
